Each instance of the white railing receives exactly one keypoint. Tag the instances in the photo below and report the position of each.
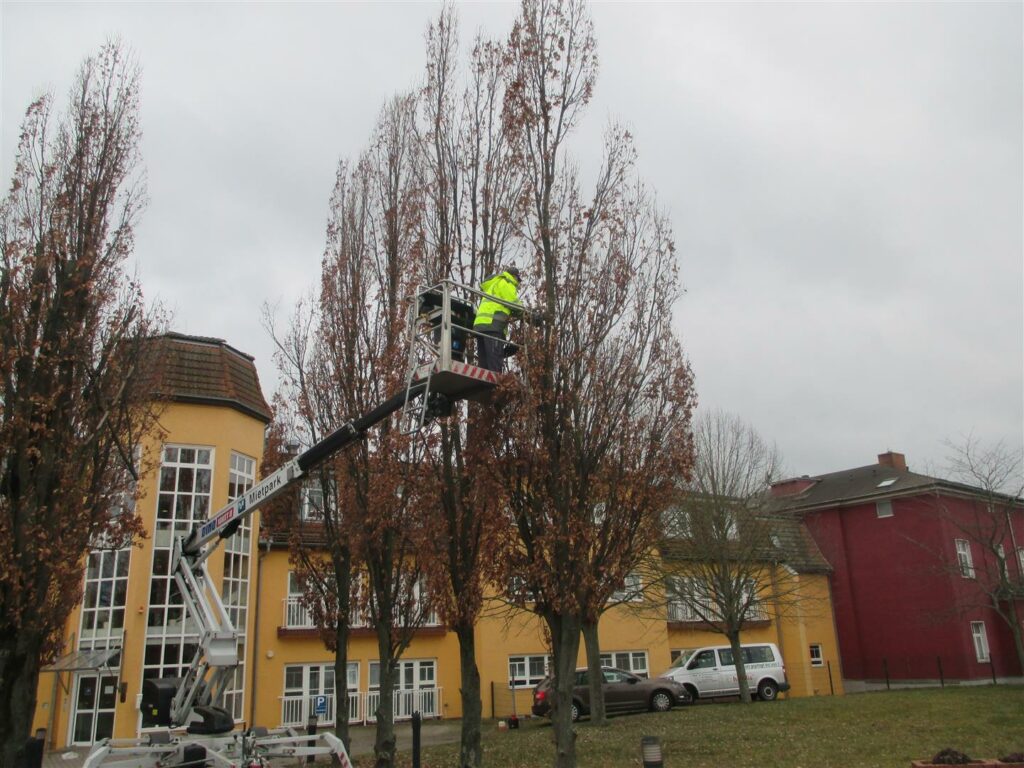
(297, 615)
(757, 612)
(426, 701)
(682, 612)
(296, 709)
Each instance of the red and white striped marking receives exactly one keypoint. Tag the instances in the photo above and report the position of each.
(471, 371)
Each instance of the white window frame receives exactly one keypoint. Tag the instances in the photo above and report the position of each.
(301, 699)
(980, 637)
(527, 670)
(883, 509)
(817, 656)
(237, 578)
(172, 637)
(1020, 563)
(632, 590)
(964, 557)
(635, 661)
(680, 608)
(1004, 567)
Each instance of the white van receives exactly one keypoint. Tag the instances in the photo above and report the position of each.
(710, 671)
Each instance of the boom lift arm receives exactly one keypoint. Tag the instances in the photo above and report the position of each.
(195, 695)
(438, 374)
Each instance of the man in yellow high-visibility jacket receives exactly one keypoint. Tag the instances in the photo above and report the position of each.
(492, 317)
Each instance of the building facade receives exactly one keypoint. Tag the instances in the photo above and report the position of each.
(131, 624)
(914, 560)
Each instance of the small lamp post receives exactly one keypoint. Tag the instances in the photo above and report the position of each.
(650, 751)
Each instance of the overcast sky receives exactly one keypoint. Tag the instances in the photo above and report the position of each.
(846, 183)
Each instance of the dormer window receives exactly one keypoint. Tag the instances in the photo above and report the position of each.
(887, 482)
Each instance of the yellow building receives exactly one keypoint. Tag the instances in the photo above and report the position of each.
(130, 626)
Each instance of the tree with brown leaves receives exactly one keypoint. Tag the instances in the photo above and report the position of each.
(595, 434)
(471, 191)
(342, 361)
(76, 385)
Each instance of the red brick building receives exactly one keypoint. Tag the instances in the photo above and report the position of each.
(917, 565)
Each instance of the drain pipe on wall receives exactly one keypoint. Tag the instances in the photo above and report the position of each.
(256, 631)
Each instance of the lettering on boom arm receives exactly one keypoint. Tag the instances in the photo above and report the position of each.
(253, 497)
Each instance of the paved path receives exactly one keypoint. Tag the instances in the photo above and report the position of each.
(362, 738)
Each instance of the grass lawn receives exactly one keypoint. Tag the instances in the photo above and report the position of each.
(868, 729)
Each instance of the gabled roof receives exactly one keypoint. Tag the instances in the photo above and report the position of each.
(208, 371)
(867, 484)
(790, 544)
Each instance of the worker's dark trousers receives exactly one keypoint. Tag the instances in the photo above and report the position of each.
(491, 351)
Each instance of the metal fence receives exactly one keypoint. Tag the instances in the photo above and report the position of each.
(296, 709)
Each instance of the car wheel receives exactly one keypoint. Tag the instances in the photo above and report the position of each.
(574, 712)
(767, 690)
(661, 701)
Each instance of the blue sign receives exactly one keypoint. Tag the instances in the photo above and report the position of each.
(319, 705)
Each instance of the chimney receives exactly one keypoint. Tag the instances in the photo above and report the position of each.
(792, 487)
(893, 460)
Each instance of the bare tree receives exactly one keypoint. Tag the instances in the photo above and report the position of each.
(470, 192)
(599, 419)
(989, 515)
(724, 554)
(77, 386)
(322, 544)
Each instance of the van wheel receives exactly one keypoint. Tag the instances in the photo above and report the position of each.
(661, 701)
(574, 712)
(767, 690)
(692, 691)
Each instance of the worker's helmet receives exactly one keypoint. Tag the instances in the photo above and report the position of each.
(514, 271)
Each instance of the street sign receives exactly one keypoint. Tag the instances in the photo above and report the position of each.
(319, 705)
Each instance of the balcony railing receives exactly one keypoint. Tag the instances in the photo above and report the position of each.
(298, 616)
(685, 612)
(296, 709)
(682, 612)
(426, 701)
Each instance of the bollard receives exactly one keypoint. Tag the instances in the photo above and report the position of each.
(311, 730)
(885, 666)
(417, 723)
(650, 752)
(34, 752)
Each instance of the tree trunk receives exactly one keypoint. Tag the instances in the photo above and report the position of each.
(565, 639)
(19, 676)
(341, 692)
(384, 743)
(593, 645)
(470, 753)
(1018, 639)
(741, 668)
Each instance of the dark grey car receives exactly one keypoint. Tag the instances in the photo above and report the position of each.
(623, 692)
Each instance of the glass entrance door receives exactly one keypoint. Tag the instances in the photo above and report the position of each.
(95, 699)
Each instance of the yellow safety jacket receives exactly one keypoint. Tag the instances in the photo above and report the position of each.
(490, 315)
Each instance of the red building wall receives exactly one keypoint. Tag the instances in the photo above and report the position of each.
(896, 596)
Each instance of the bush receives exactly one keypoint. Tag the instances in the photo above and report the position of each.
(1013, 757)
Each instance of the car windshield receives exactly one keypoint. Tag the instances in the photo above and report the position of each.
(684, 657)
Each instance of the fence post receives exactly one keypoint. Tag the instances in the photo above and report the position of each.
(831, 687)
(417, 722)
(942, 677)
(311, 723)
(492, 699)
(885, 669)
(992, 666)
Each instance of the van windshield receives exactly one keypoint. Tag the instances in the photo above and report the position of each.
(684, 657)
